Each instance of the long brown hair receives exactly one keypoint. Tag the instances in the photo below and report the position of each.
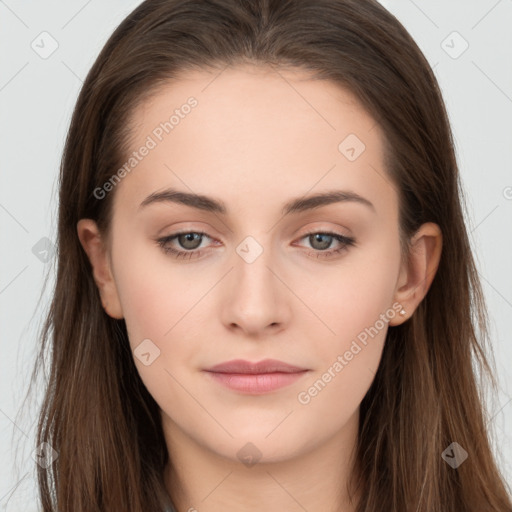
(98, 415)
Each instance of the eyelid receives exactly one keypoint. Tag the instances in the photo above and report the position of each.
(345, 241)
(313, 231)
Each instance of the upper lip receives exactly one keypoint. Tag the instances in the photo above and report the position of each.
(265, 366)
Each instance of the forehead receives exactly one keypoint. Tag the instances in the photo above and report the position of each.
(255, 133)
(259, 100)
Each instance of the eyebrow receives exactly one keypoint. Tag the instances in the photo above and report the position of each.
(209, 204)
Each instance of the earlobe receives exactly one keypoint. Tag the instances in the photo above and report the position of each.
(96, 250)
(417, 274)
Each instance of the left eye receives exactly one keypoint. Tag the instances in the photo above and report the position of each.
(324, 241)
(191, 240)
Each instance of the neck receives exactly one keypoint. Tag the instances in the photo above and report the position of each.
(314, 478)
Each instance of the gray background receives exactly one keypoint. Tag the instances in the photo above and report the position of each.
(37, 96)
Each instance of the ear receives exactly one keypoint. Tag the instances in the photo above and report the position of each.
(96, 250)
(417, 275)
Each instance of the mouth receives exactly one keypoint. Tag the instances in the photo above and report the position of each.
(255, 378)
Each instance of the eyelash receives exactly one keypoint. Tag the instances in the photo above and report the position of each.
(344, 240)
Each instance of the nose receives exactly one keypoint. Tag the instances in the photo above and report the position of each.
(256, 301)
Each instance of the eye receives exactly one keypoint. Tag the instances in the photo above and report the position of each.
(190, 241)
(321, 241)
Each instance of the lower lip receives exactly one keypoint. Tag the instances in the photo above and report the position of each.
(254, 384)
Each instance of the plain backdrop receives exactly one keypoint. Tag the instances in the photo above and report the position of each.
(46, 50)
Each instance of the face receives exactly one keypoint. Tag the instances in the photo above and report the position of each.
(259, 271)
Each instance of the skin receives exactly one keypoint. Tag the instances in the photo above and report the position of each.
(257, 139)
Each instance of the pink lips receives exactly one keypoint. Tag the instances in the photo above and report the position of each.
(255, 378)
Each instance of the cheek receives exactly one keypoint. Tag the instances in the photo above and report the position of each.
(158, 307)
(350, 298)
(356, 302)
(154, 294)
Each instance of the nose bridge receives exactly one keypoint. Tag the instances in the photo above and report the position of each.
(253, 279)
(255, 298)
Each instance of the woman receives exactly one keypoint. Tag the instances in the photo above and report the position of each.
(266, 298)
